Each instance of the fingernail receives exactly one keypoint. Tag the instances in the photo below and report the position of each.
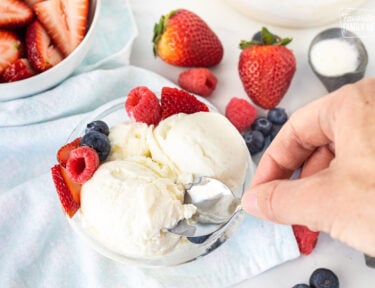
(250, 202)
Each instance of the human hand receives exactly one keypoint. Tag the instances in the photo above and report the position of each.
(333, 141)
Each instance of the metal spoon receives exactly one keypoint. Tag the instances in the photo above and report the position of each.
(332, 83)
(215, 203)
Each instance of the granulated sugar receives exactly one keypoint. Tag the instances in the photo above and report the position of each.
(334, 57)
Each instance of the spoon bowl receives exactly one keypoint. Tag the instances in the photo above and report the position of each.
(215, 203)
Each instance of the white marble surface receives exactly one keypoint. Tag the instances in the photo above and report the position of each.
(231, 27)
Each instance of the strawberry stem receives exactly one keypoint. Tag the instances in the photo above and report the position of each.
(268, 38)
(159, 29)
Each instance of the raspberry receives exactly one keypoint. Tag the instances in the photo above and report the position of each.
(142, 105)
(200, 81)
(174, 100)
(306, 238)
(240, 113)
(82, 163)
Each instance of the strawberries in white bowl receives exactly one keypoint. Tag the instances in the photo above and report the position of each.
(42, 42)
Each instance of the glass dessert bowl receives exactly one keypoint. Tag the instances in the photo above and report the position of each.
(183, 249)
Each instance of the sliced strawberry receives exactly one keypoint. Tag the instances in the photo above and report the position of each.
(14, 13)
(40, 49)
(240, 113)
(18, 70)
(68, 191)
(32, 2)
(64, 152)
(10, 49)
(142, 105)
(306, 238)
(82, 164)
(65, 21)
(174, 100)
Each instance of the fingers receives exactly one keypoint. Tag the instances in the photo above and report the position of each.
(319, 160)
(307, 129)
(296, 201)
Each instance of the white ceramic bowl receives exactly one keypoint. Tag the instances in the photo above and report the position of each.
(114, 113)
(58, 73)
(294, 13)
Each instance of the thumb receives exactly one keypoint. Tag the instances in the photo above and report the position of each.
(300, 201)
(307, 201)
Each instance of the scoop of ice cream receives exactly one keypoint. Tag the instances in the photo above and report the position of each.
(128, 205)
(201, 143)
(129, 139)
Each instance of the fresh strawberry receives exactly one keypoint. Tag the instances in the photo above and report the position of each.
(41, 53)
(240, 113)
(266, 70)
(142, 105)
(64, 152)
(68, 191)
(10, 49)
(200, 81)
(306, 238)
(82, 164)
(174, 100)
(182, 38)
(65, 21)
(14, 13)
(18, 70)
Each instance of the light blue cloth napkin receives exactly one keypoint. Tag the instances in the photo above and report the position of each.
(38, 247)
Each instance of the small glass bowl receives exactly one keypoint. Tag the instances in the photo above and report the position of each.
(114, 113)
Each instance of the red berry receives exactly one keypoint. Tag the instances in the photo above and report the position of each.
(183, 38)
(18, 70)
(240, 113)
(174, 100)
(64, 152)
(68, 191)
(306, 238)
(266, 69)
(82, 163)
(200, 81)
(142, 105)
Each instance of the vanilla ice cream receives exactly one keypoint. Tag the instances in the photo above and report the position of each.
(129, 139)
(137, 194)
(204, 144)
(128, 205)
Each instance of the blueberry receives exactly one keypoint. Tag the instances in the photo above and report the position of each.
(263, 125)
(277, 116)
(97, 141)
(254, 140)
(301, 286)
(258, 37)
(275, 129)
(99, 126)
(324, 278)
(269, 37)
(199, 239)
